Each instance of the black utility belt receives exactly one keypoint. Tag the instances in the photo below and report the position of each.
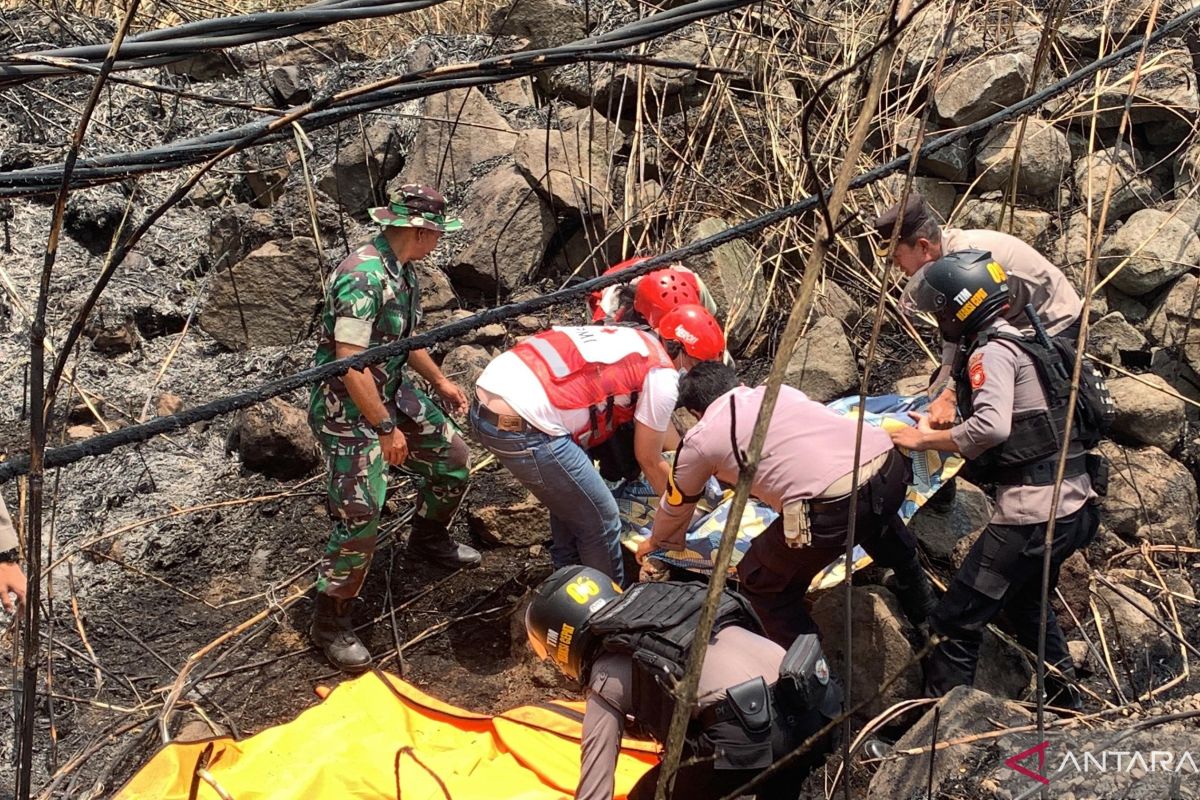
(1040, 473)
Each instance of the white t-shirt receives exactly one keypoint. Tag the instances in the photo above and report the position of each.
(509, 378)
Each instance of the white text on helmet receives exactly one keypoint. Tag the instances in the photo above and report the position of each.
(685, 336)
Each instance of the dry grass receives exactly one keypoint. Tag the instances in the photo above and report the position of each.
(384, 37)
(738, 152)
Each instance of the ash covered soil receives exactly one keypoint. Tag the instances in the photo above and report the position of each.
(161, 548)
(157, 550)
(174, 546)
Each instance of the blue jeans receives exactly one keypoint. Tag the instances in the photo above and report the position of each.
(585, 527)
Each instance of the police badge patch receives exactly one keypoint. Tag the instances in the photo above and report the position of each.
(975, 371)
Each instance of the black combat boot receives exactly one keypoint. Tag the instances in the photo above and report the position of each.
(1061, 691)
(431, 541)
(914, 590)
(332, 631)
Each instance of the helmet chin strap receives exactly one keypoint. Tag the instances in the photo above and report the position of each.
(944, 329)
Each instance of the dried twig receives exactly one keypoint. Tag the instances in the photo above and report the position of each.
(41, 399)
(177, 688)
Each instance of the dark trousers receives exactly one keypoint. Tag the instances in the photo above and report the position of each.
(775, 577)
(1003, 572)
(701, 780)
(742, 757)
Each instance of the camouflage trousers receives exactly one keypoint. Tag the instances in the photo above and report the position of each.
(357, 485)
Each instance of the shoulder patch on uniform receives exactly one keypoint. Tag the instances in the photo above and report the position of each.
(976, 373)
(674, 496)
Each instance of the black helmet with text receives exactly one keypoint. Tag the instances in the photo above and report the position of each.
(964, 291)
(556, 619)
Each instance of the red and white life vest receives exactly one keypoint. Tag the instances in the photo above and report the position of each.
(589, 367)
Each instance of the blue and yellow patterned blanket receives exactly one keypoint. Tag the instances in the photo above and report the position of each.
(637, 502)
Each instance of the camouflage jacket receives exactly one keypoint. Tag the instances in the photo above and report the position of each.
(370, 299)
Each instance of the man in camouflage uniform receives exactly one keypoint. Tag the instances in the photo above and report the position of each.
(372, 419)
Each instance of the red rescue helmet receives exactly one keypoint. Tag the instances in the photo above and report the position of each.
(556, 618)
(694, 328)
(662, 291)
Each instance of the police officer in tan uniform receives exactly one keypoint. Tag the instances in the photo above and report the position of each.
(1010, 434)
(805, 475)
(755, 702)
(1031, 279)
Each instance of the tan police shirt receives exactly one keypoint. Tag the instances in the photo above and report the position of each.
(1004, 382)
(808, 448)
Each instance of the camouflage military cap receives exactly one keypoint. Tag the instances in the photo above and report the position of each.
(416, 206)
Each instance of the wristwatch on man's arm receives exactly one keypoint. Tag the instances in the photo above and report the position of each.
(385, 427)
(10, 556)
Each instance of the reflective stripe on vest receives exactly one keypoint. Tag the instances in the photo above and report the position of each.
(587, 367)
(558, 367)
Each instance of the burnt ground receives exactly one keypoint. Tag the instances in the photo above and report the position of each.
(157, 573)
(161, 548)
(203, 574)
(157, 590)
(172, 544)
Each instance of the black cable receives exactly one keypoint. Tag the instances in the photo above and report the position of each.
(650, 28)
(334, 108)
(166, 45)
(181, 41)
(103, 169)
(106, 443)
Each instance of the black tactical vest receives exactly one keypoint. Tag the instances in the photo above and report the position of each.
(1029, 456)
(655, 623)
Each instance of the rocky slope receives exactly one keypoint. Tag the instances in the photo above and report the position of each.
(159, 549)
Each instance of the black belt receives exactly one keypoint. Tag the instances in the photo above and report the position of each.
(1040, 473)
(830, 507)
(511, 422)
